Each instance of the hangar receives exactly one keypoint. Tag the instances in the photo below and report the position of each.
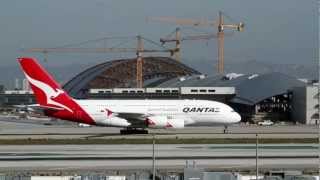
(122, 73)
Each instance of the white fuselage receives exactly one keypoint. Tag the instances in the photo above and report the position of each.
(192, 112)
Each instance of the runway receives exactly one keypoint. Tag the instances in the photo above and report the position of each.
(35, 129)
(231, 156)
(169, 156)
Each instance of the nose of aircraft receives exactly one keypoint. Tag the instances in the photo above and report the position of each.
(235, 117)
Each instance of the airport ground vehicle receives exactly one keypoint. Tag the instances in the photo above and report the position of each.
(134, 115)
(265, 123)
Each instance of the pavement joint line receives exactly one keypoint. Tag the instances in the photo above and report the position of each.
(148, 158)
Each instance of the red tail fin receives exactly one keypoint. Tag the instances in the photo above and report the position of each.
(45, 88)
(49, 94)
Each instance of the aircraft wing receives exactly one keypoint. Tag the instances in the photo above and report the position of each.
(128, 115)
(133, 116)
(135, 119)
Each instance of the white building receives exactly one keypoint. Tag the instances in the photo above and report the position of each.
(25, 85)
(305, 104)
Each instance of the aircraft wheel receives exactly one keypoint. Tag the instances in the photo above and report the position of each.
(133, 131)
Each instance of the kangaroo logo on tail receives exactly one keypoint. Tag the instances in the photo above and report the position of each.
(50, 96)
(50, 92)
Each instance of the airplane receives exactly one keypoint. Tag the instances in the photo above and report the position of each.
(135, 116)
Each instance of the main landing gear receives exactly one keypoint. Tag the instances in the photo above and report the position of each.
(131, 130)
(225, 130)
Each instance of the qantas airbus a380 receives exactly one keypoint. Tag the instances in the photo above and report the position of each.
(130, 114)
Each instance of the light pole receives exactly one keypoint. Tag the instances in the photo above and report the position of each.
(318, 122)
(257, 168)
(153, 158)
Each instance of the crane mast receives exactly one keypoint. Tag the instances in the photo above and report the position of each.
(220, 34)
(139, 70)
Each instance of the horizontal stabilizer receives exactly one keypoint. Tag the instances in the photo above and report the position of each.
(50, 108)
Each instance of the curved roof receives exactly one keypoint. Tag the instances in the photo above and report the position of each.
(122, 73)
(250, 89)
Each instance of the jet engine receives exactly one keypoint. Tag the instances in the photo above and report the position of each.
(176, 123)
(116, 121)
(164, 122)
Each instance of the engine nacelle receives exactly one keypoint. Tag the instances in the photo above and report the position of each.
(176, 123)
(164, 122)
(157, 121)
(114, 121)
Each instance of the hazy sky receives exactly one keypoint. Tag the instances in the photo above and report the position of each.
(277, 31)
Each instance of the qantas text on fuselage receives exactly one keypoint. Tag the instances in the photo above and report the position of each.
(200, 109)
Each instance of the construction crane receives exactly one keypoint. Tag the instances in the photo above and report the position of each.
(178, 39)
(220, 25)
(139, 50)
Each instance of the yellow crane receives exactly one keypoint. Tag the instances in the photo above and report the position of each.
(178, 40)
(139, 50)
(220, 25)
